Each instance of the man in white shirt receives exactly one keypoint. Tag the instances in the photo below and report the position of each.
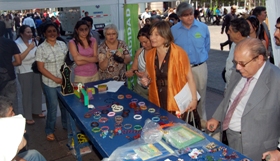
(145, 15)
(30, 22)
(239, 30)
(249, 114)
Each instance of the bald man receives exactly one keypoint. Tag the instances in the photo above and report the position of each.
(249, 114)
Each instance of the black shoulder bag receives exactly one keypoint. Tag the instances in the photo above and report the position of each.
(69, 60)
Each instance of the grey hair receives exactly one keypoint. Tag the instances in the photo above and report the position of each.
(110, 27)
(184, 6)
(5, 104)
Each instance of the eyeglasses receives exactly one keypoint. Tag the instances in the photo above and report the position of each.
(243, 64)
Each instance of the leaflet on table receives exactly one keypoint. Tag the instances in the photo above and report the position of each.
(184, 98)
(113, 86)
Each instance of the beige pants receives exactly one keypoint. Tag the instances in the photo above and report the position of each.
(83, 79)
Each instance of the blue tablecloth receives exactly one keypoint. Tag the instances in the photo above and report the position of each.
(106, 146)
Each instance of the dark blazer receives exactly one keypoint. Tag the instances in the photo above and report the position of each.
(260, 122)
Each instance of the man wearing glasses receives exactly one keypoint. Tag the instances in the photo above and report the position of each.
(249, 114)
(275, 155)
(238, 30)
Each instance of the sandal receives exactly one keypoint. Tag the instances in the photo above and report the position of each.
(30, 122)
(50, 137)
(39, 115)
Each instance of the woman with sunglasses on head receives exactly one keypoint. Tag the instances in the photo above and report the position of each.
(139, 62)
(168, 70)
(50, 57)
(83, 49)
(113, 55)
(30, 82)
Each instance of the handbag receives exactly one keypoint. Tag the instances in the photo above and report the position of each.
(69, 60)
(193, 119)
(34, 66)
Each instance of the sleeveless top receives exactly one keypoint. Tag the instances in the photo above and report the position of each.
(141, 63)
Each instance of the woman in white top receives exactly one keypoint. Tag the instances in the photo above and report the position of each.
(30, 82)
(139, 64)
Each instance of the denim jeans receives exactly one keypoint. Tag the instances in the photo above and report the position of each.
(31, 155)
(52, 102)
(9, 31)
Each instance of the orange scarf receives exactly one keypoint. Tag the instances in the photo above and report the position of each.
(178, 68)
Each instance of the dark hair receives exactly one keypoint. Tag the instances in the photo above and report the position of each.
(254, 21)
(163, 29)
(257, 11)
(173, 15)
(2, 28)
(5, 104)
(47, 25)
(145, 31)
(146, 9)
(278, 20)
(21, 30)
(86, 12)
(28, 15)
(76, 36)
(240, 25)
(88, 19)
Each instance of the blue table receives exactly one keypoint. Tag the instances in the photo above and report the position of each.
(105, 146)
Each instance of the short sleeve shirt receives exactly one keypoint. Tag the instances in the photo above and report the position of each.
(53, 59)
(8, 49)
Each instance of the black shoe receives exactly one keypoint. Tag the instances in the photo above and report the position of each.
(222, 47)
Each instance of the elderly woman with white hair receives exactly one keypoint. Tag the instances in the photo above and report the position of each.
(113, 55)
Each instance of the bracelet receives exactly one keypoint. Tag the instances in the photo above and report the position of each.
(127, 126)
(117, 108)
(126, 111)
(95, 129)
(120, 97)
(111, 114)
(118, 119)
(141, 103)
(137, 127)
(118, 126)
(104, 128)
(87, 115)
(124, 115)
(137, 117)
(163, 118)
(134, 100)
(128, 96)
(103, 119)
(91, 106)
(105, 111)
(155, 119)
(94, 124)
(97, 113)
(132, 105)
(143, 108)
(151, 110)
(96, 117)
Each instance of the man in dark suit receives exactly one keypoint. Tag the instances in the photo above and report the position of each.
(275, 155)
(249, 114)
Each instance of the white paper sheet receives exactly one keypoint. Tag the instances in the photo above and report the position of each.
(184, 98)
(12, 130)
(113, 86)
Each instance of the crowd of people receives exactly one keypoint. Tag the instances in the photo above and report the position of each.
(173, 53)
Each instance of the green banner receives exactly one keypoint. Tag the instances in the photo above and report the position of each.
(130, 34)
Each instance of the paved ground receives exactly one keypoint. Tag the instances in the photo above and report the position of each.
(58, 151)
